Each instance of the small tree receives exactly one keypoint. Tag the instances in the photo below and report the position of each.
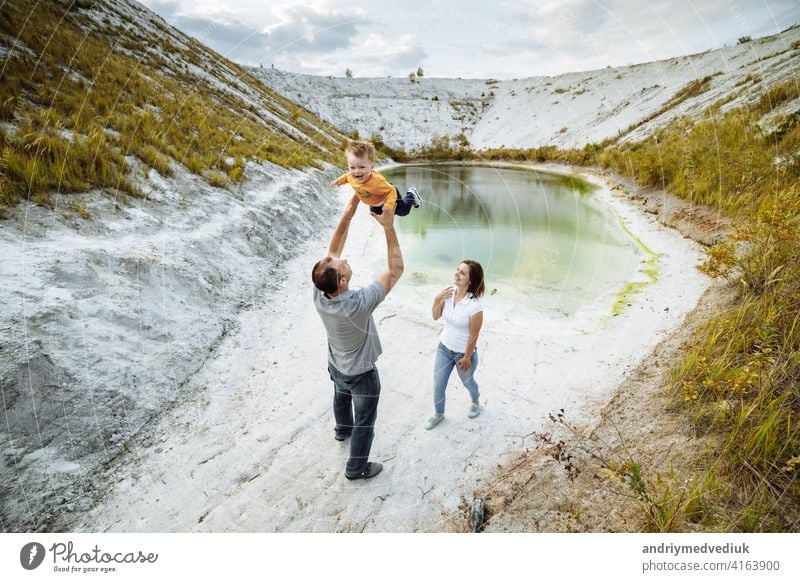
(412, 77)
(744, 39)
(348, 73)
(420, 73)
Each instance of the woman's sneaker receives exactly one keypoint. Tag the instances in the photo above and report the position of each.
(415, 195)
(433, 421)
(474, 410)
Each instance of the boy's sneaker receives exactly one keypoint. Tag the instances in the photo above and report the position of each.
(415, 195)
(474, 410)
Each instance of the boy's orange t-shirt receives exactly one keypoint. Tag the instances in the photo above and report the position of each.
(375, 191)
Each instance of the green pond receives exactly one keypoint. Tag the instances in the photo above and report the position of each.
(543, 238)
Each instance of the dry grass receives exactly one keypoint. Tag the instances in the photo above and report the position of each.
(80, 100)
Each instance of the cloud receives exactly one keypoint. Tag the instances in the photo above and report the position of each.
(530, 37)
(571, 35)
(622, 31)
(313, 30)
(389, 53)
(166, 9)
(216, 33)
(373, 56)
(226, 35)
(306, 32)
(569, 31)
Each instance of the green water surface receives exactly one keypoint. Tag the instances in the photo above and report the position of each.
(541, 236)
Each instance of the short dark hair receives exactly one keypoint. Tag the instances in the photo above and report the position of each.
(325, 276)
(476, 286)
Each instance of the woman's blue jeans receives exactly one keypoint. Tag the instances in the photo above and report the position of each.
(443, 367)
(355, 408)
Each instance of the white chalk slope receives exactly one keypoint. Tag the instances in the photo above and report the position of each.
(103, 320)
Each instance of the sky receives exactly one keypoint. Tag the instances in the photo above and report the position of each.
(470, 38)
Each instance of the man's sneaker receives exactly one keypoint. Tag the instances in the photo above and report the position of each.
(368, 473)
(415, 195)
(474, 410)
(433, 421)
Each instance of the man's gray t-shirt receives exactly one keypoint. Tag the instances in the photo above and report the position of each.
(353, 343)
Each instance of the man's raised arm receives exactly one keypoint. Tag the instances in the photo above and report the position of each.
(393, 255)
(340, 235)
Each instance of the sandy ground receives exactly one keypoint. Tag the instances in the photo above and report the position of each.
(254, 450)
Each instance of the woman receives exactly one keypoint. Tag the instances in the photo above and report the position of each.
(460, 308)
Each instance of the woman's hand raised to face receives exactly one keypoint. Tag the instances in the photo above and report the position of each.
(445, 294)
(438, 302)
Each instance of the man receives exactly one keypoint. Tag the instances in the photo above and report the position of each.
(353, 343)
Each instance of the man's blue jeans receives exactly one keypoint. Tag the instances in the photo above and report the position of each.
(442, 368)
(355, 408)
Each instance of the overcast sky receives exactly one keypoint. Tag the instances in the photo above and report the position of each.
(469, 38)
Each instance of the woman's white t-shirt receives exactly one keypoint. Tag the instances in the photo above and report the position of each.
(455, 334)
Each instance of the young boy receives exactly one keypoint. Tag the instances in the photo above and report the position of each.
(370, 186)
